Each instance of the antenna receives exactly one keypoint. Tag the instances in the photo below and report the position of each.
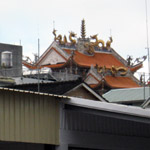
(53, 24)
(147, 39)
(110, 32)
(38, 67)
(147, 42)
(20, 42)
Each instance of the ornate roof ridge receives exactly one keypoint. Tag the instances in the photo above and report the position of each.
(94, 72)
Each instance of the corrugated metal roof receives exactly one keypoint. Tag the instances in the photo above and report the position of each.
(128, 94)
(27, 117)
(57, 88)
(115, 108)
(38, 93)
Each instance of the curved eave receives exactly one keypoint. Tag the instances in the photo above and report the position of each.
(117, 82)
(94, 64)
(136, 67)
(94, 86)
(53, 66)
(100, 59)
(89, 65)
(120, 82)
(30, 66)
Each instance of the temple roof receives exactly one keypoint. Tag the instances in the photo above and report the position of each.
(79, 55)
(100, 59)
(117, 82)
(120, 82)
(97, 79)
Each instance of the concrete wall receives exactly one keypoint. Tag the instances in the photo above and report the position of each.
(16, 69)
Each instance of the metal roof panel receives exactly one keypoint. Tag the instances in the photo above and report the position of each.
(127, 94)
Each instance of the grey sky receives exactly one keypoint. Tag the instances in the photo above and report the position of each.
(26, 20)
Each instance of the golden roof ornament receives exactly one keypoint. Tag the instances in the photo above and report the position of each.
(90, 48)
(108, 43)
(54, 33)
(71, 36)
(59, 38)
(97, 41)
(121, 70)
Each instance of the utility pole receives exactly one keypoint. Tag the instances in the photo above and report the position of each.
(38, 65)
(147, 37)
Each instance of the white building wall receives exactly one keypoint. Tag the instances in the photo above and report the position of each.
(91, 80)
(53, 58)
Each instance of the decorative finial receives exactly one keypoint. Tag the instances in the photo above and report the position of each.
(54, 33)
(83, 32)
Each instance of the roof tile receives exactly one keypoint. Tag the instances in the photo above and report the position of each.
(101, 59)
(120, 82)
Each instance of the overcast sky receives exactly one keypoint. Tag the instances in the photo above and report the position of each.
(26, 20)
